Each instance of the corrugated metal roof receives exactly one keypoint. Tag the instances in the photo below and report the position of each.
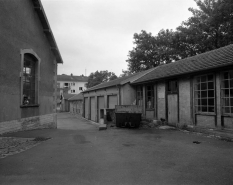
(72, 78)
(221, 57)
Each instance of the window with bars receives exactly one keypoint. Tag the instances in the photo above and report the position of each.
(139, 96)
(29, 80)
(204, 94)
(227, 92)
(150, 97)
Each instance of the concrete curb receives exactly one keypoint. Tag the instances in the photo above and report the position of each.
(226, 136)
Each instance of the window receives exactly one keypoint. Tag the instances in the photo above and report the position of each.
(30, 65)
(172, 87)
(58, 85)
(66, 84)
(73, 84)
(227, 92)
(139, 96)
(73, 91)
(150, 97)
(204, 94)
(80, 88)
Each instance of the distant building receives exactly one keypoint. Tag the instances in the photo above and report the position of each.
(70, 84)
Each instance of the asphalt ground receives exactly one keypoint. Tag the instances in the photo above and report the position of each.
(78, 153)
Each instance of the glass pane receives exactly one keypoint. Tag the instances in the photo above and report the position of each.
(231, 109)
(226, 92)
(210, 93)
(211, 101)
(231, 83)
(231, 74)
(198, 79)
(203, 78)
(28, 70)
(203, 94)
(203, 86)
(197, 86)
(210, 77)
(210, 85)
(226, 101)
(148, 88)
(226, 84)
(204, 102)
(226, 109)
(210, 109)
(231, 102)
(204, 109)
(231, 92)
(225, 75)
(148, 94)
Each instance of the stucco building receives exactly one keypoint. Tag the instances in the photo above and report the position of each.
(71, 84)
(28, 69)
(195, 91)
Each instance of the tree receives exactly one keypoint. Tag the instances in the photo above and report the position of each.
(100, 77)
(210, 27)
(151, 51)
(125, 73)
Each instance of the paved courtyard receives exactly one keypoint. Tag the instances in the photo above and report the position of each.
(78, 153)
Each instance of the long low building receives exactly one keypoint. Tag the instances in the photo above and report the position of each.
(194, 91)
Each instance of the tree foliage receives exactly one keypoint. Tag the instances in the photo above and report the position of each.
(100, 77)
(209, 27)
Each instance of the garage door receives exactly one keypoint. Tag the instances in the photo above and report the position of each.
(86, 107)
(92, 99)
(112, 101)
(100, 107)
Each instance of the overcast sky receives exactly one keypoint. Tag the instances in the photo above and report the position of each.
(98, 34)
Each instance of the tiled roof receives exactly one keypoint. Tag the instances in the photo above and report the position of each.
(67, 96)
(76, 97)
(221, 57)
(72, 78)
(119, 81)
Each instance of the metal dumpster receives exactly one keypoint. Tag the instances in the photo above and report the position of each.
(128, 115)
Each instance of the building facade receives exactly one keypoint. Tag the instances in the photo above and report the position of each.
(71, 84)
(100, 100)
(76, 104)
(194, 91)
(28, 69)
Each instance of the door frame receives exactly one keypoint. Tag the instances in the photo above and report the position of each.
(169, 91)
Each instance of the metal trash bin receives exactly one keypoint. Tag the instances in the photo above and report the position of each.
(128, 115)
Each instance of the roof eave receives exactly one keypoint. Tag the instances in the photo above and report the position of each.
(47, 30)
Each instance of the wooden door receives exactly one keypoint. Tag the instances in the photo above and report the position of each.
(92, 99)
(86, 108)
(100, 107)
(112, 101)
(172, 109)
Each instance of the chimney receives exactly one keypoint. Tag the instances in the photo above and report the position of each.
(71, 74)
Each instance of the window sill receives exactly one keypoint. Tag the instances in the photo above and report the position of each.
(151, 109)
(27, 106)
(205, 114)
(228, 115)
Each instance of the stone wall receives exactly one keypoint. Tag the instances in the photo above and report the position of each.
(37, 122)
